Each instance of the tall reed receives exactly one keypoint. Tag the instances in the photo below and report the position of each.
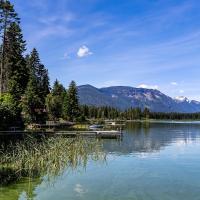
(49, 156)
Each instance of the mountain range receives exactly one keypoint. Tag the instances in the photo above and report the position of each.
(124, 97)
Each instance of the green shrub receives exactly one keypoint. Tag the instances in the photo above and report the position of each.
(9, 112)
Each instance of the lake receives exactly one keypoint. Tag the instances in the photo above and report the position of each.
(154, 161)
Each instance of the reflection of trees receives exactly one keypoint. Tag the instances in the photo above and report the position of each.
(49, 157)
(150, 137)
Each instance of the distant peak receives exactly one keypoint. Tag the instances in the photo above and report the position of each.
(195, 102)
(151, 87)
(182, 99)
(86, 85)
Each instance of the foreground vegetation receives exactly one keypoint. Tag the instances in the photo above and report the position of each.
(48, 156)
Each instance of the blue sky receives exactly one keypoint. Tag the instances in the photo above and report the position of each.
(146, 43)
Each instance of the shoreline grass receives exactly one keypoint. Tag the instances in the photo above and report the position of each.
(49, 156)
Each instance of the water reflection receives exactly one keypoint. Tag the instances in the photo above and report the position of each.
(151, 137)
(125, 174)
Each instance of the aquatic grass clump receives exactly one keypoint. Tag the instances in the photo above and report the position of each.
(49, 156)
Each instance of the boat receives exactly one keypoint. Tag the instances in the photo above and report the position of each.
(96, 126)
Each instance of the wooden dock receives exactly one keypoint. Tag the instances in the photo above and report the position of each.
(97, 134)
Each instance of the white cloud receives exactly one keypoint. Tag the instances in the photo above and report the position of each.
(84, 51)
(181, 91)
(174, 83)
(155, 87)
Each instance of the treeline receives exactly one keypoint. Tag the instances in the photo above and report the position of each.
(175, 116)
(25, 93)
(92, 112)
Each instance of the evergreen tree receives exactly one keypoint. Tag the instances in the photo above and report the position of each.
(40, 73)
(58, 89)
(65, 106)
(32, 105)
(7, 17)
(146, 113)
(85, 111)
(71, 104)
(33, 102)
(18, 73)
(54, 101)
(45, 82)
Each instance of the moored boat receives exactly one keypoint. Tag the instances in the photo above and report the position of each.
(96, 126)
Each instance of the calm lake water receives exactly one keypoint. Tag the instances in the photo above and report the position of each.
(154, 161)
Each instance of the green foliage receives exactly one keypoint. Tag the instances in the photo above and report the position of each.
(13, 72)
(32, 105)
(54, 106)
(9, 112)
(132, 114)
(175, 116)
(54, 101)
(65, 106)
(7, 17)
(91, 112)
(71, 105)
(82, 118)
(33, 102)
(146, 113)
(18, 73)
(58, 89)
(41, 74)
(7, 13)
(100, 112)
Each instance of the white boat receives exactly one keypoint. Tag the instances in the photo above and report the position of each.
(95, 126)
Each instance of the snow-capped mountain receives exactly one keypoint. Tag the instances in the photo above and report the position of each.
(123, 97)
(182, 99)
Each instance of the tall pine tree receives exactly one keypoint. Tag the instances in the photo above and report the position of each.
(41, 74)
(17, 70)
(33, 102)
(7, 17)
(32, 106)
(71, 108)
(54, 101)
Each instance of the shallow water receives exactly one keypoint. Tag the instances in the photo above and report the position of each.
(154, 161)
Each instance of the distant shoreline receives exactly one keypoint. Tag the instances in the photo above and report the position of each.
(192, 121)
